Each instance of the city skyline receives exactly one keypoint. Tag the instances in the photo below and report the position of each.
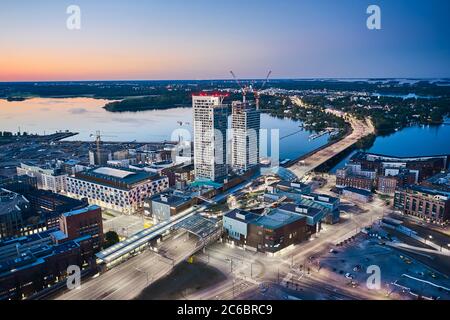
(226, 155)
(176, 40)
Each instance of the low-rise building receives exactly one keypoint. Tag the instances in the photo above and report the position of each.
(267, 233)
(424, 166)
(86, 221)
(357, 194)
(48, 177)
(424, 202)
(301, 194)
(180, 174)
(354, 176)
(122, 190)
(387, 184)
(12, 211)
(163, 206)
(35, 262)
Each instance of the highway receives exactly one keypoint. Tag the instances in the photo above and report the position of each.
(360, 129)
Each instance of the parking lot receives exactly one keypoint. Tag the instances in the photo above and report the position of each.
(402, 276)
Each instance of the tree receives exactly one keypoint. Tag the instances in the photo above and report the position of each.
(111, 238)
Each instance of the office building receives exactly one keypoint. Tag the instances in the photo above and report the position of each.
(32, 263)
(424, 167)
(424, 202)
(48, 177)
(354, 176)
(13, 208)
(82, 222)
(268, 233)
(245, 127)
(210, 136)
(122, 190)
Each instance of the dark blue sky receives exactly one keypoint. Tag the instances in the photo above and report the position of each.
(198, 39)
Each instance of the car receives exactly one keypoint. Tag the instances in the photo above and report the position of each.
(349, 275)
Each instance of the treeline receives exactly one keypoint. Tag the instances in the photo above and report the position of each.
(160, 102)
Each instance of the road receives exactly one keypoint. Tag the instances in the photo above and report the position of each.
(246, 270)
(126, 281)
(360, 129)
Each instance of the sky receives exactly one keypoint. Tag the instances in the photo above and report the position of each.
(205, 39)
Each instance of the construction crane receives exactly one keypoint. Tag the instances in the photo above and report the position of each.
(98, 141)
(243, 89)
(257, 92)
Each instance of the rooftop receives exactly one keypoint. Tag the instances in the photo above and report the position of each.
(81, 211)
(10, 201)
(170, 199)
(109, 175)
(276, 219)
(358, 191)
(241, 215)
(301, 209)
(113, 172)
(429, 190)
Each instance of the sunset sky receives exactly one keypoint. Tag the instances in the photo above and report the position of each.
(204, 39)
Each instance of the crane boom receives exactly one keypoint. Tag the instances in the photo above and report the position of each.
(244, 91)
(257, 92)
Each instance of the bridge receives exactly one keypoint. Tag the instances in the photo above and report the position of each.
(313, 160)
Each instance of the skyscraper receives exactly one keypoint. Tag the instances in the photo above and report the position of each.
(245, 125)
(210, 129)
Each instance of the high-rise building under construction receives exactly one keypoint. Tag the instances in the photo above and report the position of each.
(245, 127)
(210, 136)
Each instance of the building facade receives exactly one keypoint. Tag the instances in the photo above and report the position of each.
(32, 263)
(13, 208)
(424, 167)
(354, 176)
(162, 207)
(122, 190)
(424, 202)
(82, 222)
(245, 127)
(210, 136)
(48, 178)
(269, 233)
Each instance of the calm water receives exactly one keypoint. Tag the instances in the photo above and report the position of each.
(86, 116)
(412, 141)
